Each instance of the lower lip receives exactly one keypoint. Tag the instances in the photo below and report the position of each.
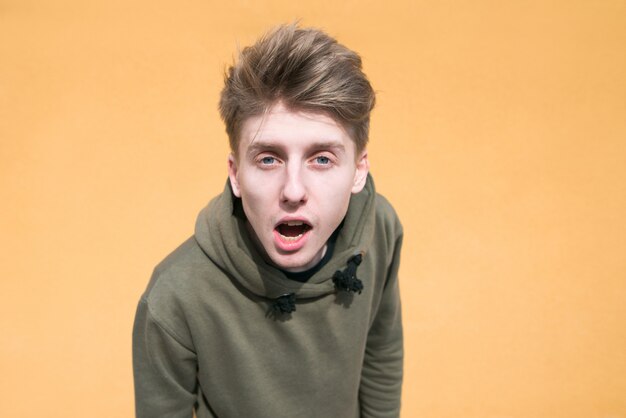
(290, 245)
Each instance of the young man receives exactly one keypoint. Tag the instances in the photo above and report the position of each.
(285, 301)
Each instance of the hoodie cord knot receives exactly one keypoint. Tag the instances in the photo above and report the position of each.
(285, 303)
(346, 280)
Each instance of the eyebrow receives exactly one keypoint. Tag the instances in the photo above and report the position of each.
(258, 146)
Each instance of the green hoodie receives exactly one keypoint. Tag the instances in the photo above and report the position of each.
(207, 335)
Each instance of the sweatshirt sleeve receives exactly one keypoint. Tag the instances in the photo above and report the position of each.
(381, 379)
(164, 369)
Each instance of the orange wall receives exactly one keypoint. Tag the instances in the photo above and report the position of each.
(500, 136)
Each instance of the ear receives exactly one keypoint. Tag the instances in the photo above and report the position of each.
(232, 175)
(360, 176)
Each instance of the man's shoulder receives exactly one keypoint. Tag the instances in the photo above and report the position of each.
(178, 275)
(182, 258)
(170, 291)
(386, 215)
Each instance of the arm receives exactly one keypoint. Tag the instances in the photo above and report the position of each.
(164, 369)
(381, 379)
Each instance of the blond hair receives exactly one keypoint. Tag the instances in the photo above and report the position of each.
(305, 69)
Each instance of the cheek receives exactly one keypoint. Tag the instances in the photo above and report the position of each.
(254, 184)
(337, 187)
(257, 195)
(335, 203)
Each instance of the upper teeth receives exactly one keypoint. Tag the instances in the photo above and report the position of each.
(294, 223)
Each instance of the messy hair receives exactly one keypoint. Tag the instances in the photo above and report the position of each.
(304, 69)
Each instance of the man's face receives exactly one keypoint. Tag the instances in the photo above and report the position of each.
(295, 173)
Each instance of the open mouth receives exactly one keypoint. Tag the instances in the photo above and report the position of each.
(292, 231)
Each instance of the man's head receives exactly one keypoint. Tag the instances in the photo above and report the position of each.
(305, 69)
(296, 108)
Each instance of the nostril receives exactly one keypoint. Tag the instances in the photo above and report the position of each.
(294, 191)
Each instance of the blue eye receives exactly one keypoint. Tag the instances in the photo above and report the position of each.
(322, 160)
(268, 160)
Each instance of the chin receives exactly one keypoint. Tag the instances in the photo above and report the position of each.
(292, 263)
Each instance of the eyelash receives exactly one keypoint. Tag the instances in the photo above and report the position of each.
(327, 164)
(261, 161)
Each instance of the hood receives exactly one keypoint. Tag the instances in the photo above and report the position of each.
(221, 233)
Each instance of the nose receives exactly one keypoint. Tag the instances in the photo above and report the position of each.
(294, 189)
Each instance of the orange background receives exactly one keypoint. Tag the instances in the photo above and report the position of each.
(499, 135)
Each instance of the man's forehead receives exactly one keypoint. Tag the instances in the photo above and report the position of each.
(281, 127)
(279, 116)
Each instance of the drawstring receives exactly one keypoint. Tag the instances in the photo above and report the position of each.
(346, 280)
(284, 304)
